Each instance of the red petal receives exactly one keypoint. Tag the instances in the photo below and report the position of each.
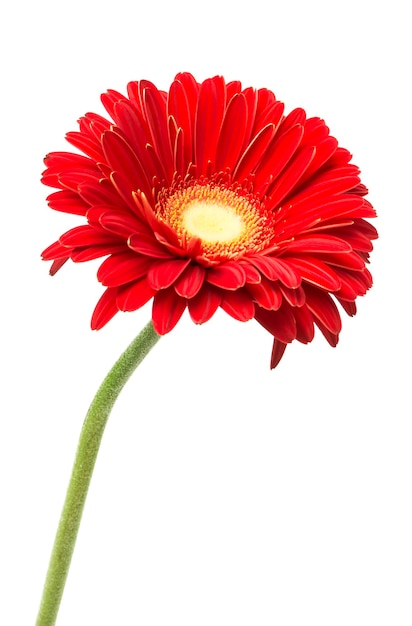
(281, 324)
(134, 94)
(331, 183)
(80, 255)
(182, 104)
(254, 153)
(125, 189)
(109, 101)
(145, 212)
(314, 271)
(251, 96)
(315, 131)
(359, 240)
(86, 144)
(331, 338)
(67, 202)
(345, 205)
(86, 236)
(55, 251)
(324, 150)
(148, 245)
(191, 87)
(238, 304)
(227, 276)
(277, 269)
(117, 222)
(290, 178)
(341, 157)
(297, 116)
(346, 290)
(318, 243)
(133, 296)
(204, 304)
(56, 265)
(209, 115)
(305, 330)
(231, 137)
(155, 108)
(122, 268)
(163, 274)
(278, 351)
(121, 158)
(266, 294)
(353, 284)
(72, 180)
(277, 158)
(314, 212)
(178, 108)
(131, 122)
(101, 192)
(168, 308)
(323, 309)
(190, 282)
(180, 161)
(58, 161)
(348, 306)
(233, 87)
(366, 229)
(253, 276)
(271, 114)
(349, 260)
(294, 297)
(105, 309)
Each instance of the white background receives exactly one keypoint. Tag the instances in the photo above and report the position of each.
(224, 493)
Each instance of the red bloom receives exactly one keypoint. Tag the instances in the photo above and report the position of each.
(208, 195)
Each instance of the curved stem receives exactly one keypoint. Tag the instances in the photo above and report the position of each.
(88, 448)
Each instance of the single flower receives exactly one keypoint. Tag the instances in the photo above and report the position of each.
(208, 196)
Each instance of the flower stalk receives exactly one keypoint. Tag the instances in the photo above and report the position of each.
(87, 451)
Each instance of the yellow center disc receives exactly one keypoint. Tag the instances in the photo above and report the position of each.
(212, 222)
(229, 223)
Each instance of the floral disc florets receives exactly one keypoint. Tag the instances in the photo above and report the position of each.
(229, 223)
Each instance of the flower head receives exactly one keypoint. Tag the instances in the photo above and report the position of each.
(209, 196)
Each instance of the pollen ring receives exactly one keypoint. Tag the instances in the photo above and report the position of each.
(229, 222)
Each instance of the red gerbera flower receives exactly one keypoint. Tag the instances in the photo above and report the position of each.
(208, 196)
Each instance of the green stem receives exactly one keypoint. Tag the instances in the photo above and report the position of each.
(88, 448)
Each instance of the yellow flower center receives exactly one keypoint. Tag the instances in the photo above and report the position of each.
(228, 222)
(212, 222)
